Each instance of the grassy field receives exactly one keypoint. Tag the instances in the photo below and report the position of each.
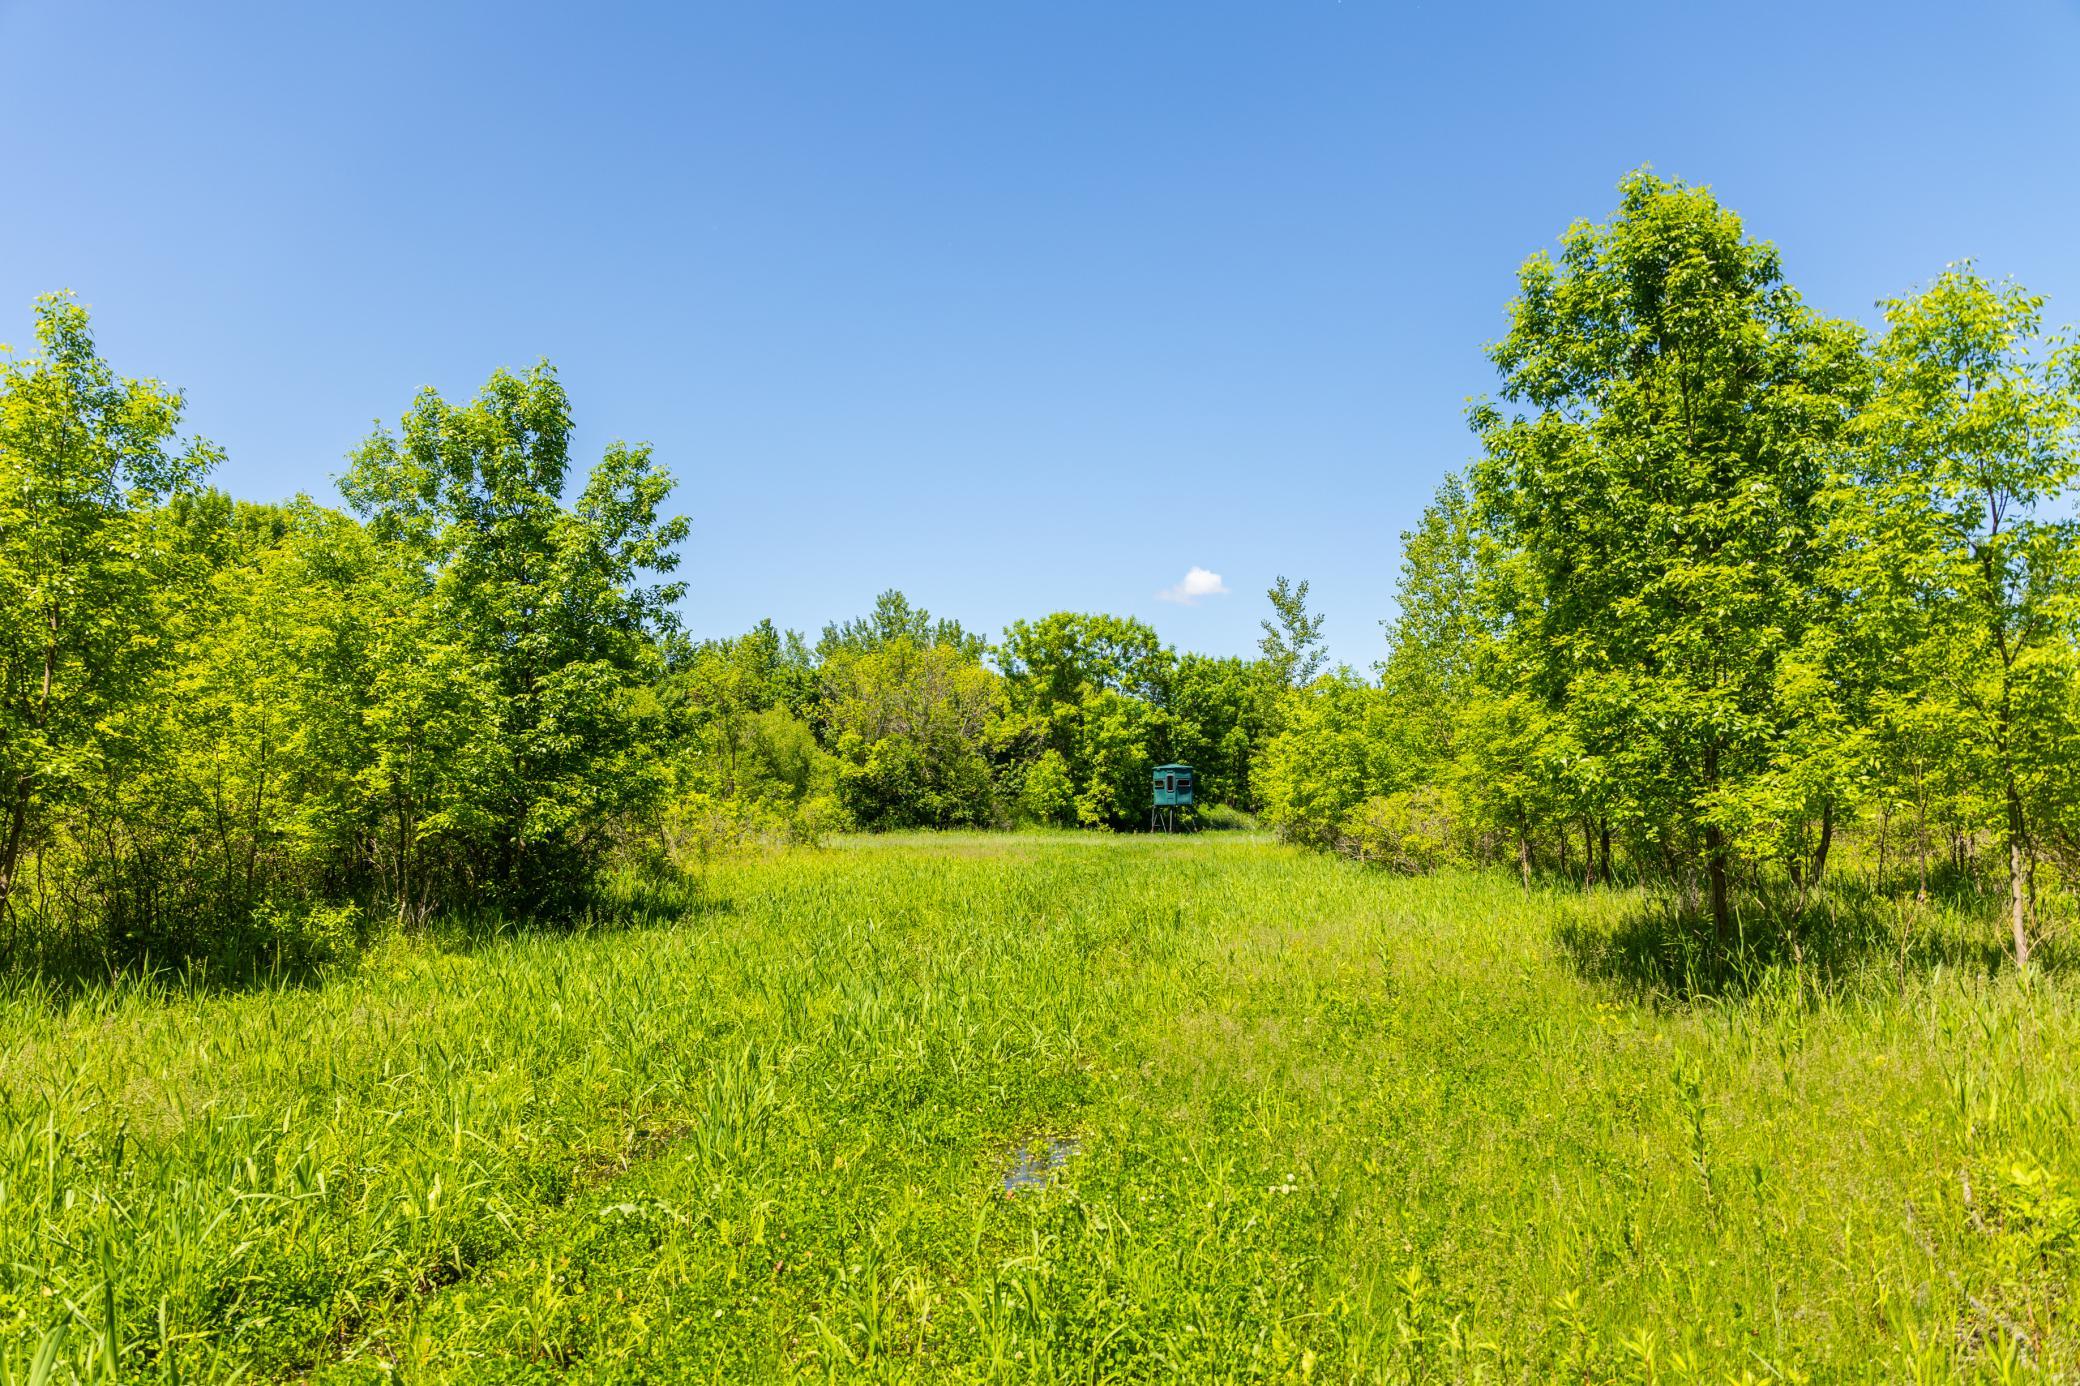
(1264, 1116)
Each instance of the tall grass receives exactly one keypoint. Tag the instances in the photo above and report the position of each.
(1329, 1126)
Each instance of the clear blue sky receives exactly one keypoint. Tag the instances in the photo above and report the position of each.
(1017, 307)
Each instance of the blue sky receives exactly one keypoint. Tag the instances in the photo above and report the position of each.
(1018, 307)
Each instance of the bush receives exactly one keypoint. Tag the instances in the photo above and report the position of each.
(308, 934)
(1411, 832)
(698, 827)
(815, 819)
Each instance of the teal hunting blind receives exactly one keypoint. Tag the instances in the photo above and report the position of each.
(1173, 791)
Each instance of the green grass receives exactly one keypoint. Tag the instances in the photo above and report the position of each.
(1332, 1126)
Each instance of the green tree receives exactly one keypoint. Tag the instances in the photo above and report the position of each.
(321, 727)
(1435, 638)
(720, 687)
(553, 601)
(85, 457)
(1333, 752)
(1046, 793)
(894, 618)
(1970, 452)
(1681, 408)
(745, 762)
(910, 725)
(1094, 690)
(266, 718)
(1219, 719)
(1292, 642)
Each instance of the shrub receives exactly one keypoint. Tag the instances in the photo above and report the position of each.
(308, 934)
(815, 818)
(698, 827)
(1411, 832)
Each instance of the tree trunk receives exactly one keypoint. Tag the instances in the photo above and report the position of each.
(1604, 862)
(11, 849)
(2018, 877)
(1588, 854)
(1826, 840)
(1524, 846)
(1884, 837)
(1920, 837)
(1715, 854)
(1715, 869)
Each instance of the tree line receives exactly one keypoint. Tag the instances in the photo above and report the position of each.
(259, 732)
(899, 720)
(1727, 579)
(1727, 583)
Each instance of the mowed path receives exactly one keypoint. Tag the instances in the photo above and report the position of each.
(1314, 1123)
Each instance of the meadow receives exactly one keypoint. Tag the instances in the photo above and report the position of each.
(1056, 1107)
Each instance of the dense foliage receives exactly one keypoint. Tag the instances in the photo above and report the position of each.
(247, 730)
(258, 733)
(1727, 581)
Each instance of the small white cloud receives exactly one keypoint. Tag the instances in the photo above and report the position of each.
(1199, 582)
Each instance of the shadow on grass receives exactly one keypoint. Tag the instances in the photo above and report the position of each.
(1845, 938)
(246, 956)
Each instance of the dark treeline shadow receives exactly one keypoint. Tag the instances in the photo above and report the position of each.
(1845, 936)
(60, 970)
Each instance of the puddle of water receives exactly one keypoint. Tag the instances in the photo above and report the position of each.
(1035, 1163)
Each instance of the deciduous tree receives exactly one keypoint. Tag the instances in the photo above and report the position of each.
(85, 455)
(1679, 406)
(1970, 451)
